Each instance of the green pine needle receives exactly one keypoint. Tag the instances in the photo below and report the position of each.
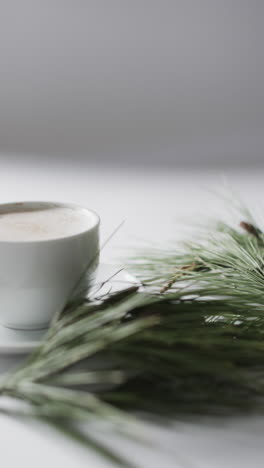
(190, 343)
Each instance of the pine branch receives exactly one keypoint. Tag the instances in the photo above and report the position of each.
(192, 342)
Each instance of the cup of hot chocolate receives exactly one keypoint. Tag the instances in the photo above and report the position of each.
(46, 250)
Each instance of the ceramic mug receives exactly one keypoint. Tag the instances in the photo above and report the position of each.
(38, 277)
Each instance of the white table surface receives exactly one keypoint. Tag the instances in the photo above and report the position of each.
(154, 205)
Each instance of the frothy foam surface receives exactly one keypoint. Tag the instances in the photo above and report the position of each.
(26, 222)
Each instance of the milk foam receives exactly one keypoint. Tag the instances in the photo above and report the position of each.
(33, 222)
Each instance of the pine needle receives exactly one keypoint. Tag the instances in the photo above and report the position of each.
(191, 343)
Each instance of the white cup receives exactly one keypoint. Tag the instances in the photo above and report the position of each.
(38, 277)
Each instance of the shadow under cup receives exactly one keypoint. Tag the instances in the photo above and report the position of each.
(38, 276)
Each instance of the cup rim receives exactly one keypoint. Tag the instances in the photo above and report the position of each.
(95, 225)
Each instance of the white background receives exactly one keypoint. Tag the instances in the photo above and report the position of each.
(154, 204)
(130, 108)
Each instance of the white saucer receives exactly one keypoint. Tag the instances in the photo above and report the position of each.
(108, 278)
